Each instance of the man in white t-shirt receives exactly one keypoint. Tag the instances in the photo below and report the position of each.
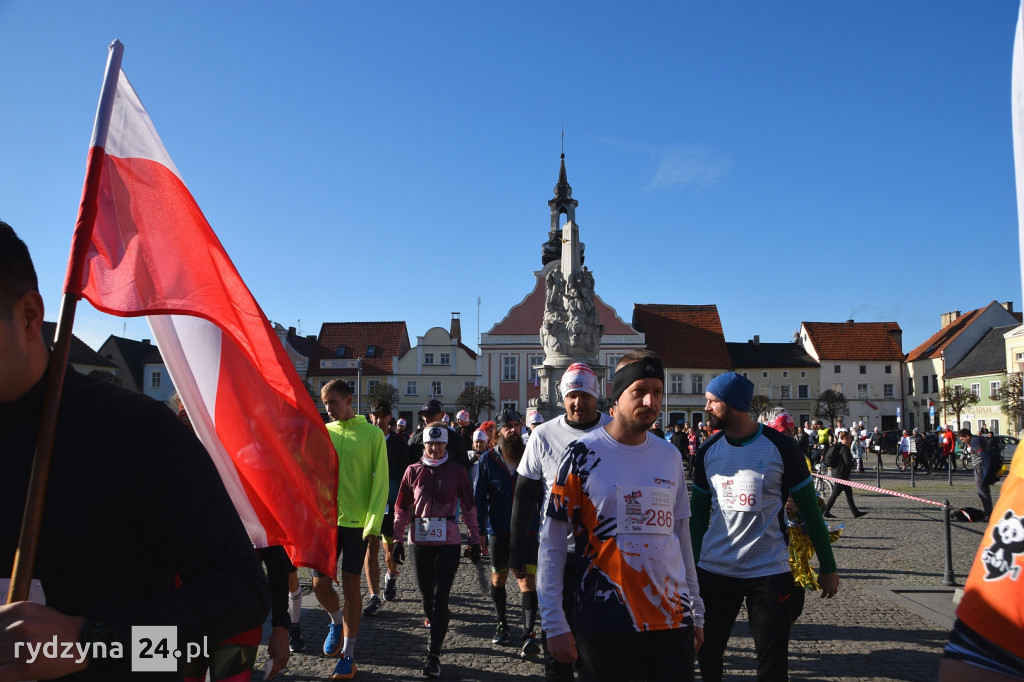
(622, 493)
(544, 452)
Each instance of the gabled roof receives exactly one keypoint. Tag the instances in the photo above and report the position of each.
(856, 340)
(683, 335)
(937, 342)
(987, 357)
(79, 353)
(390, 339)
(750, 354)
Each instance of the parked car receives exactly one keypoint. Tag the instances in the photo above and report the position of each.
(1007, 446)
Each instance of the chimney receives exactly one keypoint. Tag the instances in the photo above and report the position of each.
(456, 330)
(145, 341)
(948, 318)
(757, 339)
(849, 322)
(1009, 306)
(291, 332)
(312, 337)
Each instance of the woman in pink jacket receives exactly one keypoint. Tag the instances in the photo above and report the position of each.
(426, 504)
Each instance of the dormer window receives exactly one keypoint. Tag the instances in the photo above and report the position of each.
(371, 351)
(339, 352)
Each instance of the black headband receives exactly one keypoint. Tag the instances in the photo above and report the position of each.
(648, 368)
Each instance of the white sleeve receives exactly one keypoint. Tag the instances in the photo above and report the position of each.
(682, 529)
(531, 465)
(554, 547)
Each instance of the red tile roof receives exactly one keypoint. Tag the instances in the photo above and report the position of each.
(937, 342)
(391, 338)
(856, 340)
(683, 335)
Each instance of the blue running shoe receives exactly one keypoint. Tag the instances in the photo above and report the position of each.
(345, 670)
(332, 644)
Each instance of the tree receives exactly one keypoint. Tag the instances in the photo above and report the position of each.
(759, 404)
(1012, 400)
(382, 391)
(831, 406)
(955, 399)
(475, 399)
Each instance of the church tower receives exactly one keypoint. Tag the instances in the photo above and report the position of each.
(562, 203)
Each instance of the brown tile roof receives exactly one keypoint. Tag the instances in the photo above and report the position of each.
(683, 335)
(78, 352)
(390, 338)
(937, 342)
(856, 340)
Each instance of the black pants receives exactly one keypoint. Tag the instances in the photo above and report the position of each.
(435, 572)
(768, 612)
(652, 656)
(846, 490)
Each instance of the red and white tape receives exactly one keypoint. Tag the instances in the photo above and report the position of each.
(888, 492)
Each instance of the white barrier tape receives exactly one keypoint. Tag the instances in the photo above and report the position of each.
(872, 488)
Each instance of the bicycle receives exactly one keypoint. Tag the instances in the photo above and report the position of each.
(902, 460)
(821, 486)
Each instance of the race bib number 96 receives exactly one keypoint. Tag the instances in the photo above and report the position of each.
(646, 509)
(741, 492)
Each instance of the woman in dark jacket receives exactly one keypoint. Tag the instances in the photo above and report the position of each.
(841, 466)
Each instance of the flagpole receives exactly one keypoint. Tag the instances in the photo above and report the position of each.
(28, 541)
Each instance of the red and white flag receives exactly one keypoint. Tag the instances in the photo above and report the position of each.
(153, 253)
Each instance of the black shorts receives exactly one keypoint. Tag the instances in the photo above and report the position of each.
(499, 547)
(352, 550)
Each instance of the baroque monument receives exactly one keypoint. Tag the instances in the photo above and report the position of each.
(571, 330)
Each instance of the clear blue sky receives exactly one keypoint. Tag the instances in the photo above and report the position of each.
(393, 161)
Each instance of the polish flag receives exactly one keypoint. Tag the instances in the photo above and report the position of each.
(152, 253)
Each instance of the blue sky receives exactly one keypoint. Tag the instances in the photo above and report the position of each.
(393, 161)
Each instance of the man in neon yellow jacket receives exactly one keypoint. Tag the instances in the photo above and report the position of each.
(362, 498)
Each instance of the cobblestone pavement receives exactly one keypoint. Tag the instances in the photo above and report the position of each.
(888, 622)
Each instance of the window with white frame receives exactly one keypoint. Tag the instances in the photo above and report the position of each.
(976, 390)
(613, 360)
(410, 388)
(862, 391)
(910, 385)
(154, 379)
(924, 384)
(764, 375)
(445, 358)
(785, 374)
(836, 369)
(468, 384)
(372, 385)
(863, 369)
(785, 391)
(745, 375)
(677, 383)
(993, 426)
(510, 368)
(510, 405)
(803, 374)
(696, 384)
(428, 358)
(765, 389)
(993, 389)
(351, 385)
(435, 388)
(888, 390)
(803, 391)
(888, 369)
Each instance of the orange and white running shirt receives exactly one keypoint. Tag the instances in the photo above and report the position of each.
(993, 601)
(628, 508)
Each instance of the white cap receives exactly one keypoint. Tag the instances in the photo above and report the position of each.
(579, 377)
(463, 416)
(536, 418)
(402, 422)
(480, 435)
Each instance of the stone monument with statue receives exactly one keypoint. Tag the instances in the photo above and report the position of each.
(571, 330)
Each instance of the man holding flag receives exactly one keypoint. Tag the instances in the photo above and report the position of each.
(133, 501)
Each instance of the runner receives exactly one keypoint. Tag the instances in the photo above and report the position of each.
(398, 461)
(495, 490)
(621, 491)
(426, 503)
(580, 391)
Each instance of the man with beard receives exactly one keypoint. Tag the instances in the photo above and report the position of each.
(620, 490)
(744, 475)
(579, 388)
(495, 490)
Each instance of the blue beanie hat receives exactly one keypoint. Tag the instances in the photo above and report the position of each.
(733, 390)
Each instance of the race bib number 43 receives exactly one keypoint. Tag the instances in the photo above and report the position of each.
(740, 492)
(430, 530)
(646, 509)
